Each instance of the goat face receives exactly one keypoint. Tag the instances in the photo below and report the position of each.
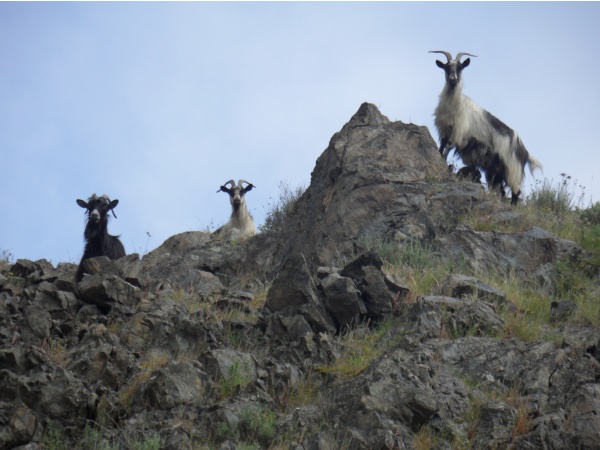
(236, 192)
(236, 196)
(453, 70)
(98, 207)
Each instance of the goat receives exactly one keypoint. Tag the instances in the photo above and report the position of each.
(480, 139)
(240, 217)
(97, 240)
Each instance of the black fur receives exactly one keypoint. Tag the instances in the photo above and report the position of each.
(97, 240)
(478, 156)
(474, 154)
(470, 173)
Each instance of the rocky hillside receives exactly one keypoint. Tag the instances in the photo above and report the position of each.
(308, 336)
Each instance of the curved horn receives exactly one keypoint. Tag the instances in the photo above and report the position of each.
(448, 55)
(242, 181)
(461, 54)
(224, 189)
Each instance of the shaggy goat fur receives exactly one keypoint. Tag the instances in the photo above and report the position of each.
(240, 216)
(97, 240)
(480, 139)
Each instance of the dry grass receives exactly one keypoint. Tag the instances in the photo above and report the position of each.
(150, 364)
(361, 346)
(57, 352)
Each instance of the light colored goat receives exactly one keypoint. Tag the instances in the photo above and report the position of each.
(240, 219)
(480, 139)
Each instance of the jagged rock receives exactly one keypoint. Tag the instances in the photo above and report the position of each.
(107, 291)
(461, 286)
(101, 265)
(543, 276)
(296, 327)
(295, 292)
(367, 185)
(21, 424)
(36, 327)
(463, 316)
(586, 340)
(62, 305)
(562, 310)
(342, 300)
(49, 391)
(502, 252)
(172, 347)
(34, 271)
(100, 357)
(230, 364)
(166, 327)
(176, 384)
(497, 420)
(129, 268)
(366, 273)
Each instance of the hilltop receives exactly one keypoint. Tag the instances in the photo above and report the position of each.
(390, 306)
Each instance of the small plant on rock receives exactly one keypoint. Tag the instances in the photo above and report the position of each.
(278, 214)
(238, 376)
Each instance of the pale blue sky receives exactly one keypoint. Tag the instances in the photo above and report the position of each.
(158, 104)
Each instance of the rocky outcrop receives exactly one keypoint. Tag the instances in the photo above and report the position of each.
(217, 340)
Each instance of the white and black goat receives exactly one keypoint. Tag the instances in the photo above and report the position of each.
(97, 240)
(480, 139)
(240, 217)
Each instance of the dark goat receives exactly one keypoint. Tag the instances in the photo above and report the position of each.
(97, 240)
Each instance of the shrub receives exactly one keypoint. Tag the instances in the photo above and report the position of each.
(239, 375)
(560, 198)
(6, 258)
(278, 214)
(591, 215)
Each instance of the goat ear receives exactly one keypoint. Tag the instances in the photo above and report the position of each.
(466, 62)
(224, 189)
(440, 64)
(248, 188)
(82, 203)
(113, 204)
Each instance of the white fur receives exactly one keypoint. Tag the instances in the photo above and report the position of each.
(461, 118)
(240, 219)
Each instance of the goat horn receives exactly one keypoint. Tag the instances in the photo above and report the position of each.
(242, 181)
(461, 54)
(448, 55)
(224, 189)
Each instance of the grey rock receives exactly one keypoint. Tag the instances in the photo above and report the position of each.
(497, 420)
(176, 384)
(462, 286)
(238, 367)
(107, 291)
(365, 271)
(174, 347)
(342, 300)
(295, 292)
(562, 310)
(502, 252)
(101, 265)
